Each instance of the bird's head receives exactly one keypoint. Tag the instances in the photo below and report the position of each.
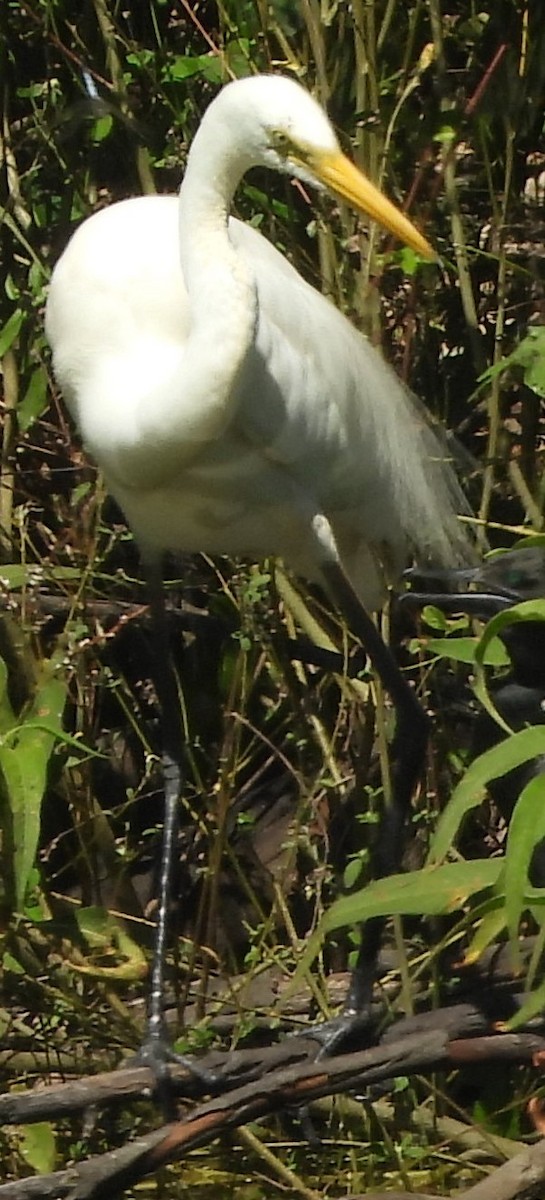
(279, 125)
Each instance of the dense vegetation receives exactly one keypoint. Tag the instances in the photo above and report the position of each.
(439, 102)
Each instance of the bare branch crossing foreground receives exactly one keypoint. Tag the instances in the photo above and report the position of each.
(254, 1084)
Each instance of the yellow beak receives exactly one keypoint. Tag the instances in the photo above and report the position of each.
(343, 178)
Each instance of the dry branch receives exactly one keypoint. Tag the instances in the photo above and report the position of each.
(107, 1176)
(233, 1069)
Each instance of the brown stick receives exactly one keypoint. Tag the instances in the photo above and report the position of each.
(107, 1176)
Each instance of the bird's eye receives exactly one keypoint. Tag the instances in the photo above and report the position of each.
(281, 142)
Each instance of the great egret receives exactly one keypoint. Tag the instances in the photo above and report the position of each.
(234, 410)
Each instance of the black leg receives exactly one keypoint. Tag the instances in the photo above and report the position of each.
(409, 752)
(156, 1050)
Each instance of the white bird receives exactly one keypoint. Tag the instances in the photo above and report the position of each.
(230, 406)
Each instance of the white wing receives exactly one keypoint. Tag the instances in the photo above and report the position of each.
(319, 417)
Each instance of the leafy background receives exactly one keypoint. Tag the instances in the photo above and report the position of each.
(443, 105)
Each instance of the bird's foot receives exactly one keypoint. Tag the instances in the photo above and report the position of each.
(342, 1032)
(157, 1054)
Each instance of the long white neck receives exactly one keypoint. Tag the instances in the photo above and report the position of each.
(222, 300)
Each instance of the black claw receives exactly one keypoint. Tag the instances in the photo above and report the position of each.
(333, 1034)
(157, 1054)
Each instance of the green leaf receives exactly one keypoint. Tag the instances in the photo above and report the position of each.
(432, 891)
(429, 892)
(96, 925)
(140, 58)
(102, 128)
(526, 830)
(408, 259)
(10, 331)
(210, 66)
(528, 610)
(463, 649)
(34, 401)
(7, 715)
(238, 56)
(530, 355)
(114, 954)
(512, 752)
(352, 872)
(532, 1007)
(436, 619)
(9, 963)
(14, 576)
(37, 1145)
(489, 930)
(446, 135)
(24, 760)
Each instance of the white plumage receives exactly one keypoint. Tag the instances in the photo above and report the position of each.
(228, 402)
(233, 410)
